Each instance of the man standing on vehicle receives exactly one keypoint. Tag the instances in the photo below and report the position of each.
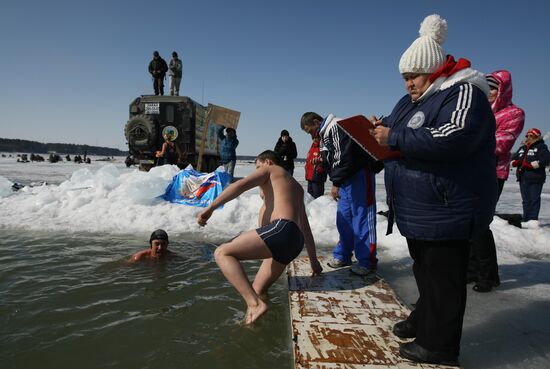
(158, 69)
(175, 72)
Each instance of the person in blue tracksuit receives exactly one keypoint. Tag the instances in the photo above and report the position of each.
(531, 161)
(350, 170)
(229, 143)
(442, 191)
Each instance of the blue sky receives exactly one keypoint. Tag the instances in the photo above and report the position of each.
(69, 69)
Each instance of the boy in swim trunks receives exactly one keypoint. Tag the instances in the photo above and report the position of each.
(284, 228)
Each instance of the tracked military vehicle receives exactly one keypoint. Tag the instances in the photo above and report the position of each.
(191, 126)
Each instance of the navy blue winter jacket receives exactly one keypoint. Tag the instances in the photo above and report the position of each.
(227, 147)
(445, 185)
(538, 151)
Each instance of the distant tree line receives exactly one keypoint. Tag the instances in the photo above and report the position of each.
(253, 158)
(24, 146)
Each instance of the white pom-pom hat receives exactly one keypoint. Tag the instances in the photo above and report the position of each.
(426, 55)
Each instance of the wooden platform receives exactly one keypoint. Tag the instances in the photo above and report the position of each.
(341, 320)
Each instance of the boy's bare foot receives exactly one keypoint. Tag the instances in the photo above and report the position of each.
(254, 312)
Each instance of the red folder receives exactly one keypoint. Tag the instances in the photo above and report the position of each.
(358, 128)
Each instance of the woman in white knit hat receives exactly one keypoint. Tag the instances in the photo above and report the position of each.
(442, 191)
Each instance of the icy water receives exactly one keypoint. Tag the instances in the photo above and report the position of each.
(69, 299)
(73, 301)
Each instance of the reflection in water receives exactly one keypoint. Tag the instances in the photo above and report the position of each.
(75, 301)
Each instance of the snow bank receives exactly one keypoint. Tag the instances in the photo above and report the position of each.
(5, 187)
(110, 199)
(113, 201)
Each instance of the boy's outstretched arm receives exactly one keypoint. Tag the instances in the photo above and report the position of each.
(258, 177)
(316, 267)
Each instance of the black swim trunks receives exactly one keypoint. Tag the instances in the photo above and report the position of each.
(283, 238)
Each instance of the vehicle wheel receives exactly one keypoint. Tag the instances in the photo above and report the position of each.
(141, 133)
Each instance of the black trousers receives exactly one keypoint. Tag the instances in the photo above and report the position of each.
(440, 272)
(158, 85)
(316, 189)
(483, 266)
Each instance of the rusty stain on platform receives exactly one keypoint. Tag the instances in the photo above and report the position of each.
(344, 321)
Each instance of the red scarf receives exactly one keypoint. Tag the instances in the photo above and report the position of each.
(450, 67)
(524, 162)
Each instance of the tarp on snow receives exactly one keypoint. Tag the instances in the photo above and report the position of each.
(190, 187)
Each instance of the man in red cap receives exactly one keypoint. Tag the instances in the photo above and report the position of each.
(531, 160)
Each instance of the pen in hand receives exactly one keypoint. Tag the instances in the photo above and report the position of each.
(377, 121)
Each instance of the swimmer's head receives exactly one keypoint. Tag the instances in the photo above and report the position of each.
(159, 234)
(268, 155)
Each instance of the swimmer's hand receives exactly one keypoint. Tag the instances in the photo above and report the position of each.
(316, 267)
(204, 216)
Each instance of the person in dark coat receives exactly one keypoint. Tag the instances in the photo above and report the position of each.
(531, 161)
(228, 147)
(158, 69)
(286, 149)
(351, 171)
(442, 191)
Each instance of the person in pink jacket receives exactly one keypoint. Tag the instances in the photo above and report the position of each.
(483, 267)
(510, 120)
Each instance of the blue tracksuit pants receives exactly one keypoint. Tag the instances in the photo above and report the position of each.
(356, 220)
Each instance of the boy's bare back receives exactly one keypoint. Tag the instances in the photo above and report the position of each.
(283, 196)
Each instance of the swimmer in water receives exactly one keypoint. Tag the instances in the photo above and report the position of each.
(158, 250)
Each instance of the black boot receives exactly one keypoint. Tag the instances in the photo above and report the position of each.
(414, 352)
(404, 329)
(485, 286)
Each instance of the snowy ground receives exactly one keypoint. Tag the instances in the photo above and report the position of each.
(508, 328)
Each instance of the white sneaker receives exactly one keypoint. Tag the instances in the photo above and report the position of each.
(337, 263)
(362, 271)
